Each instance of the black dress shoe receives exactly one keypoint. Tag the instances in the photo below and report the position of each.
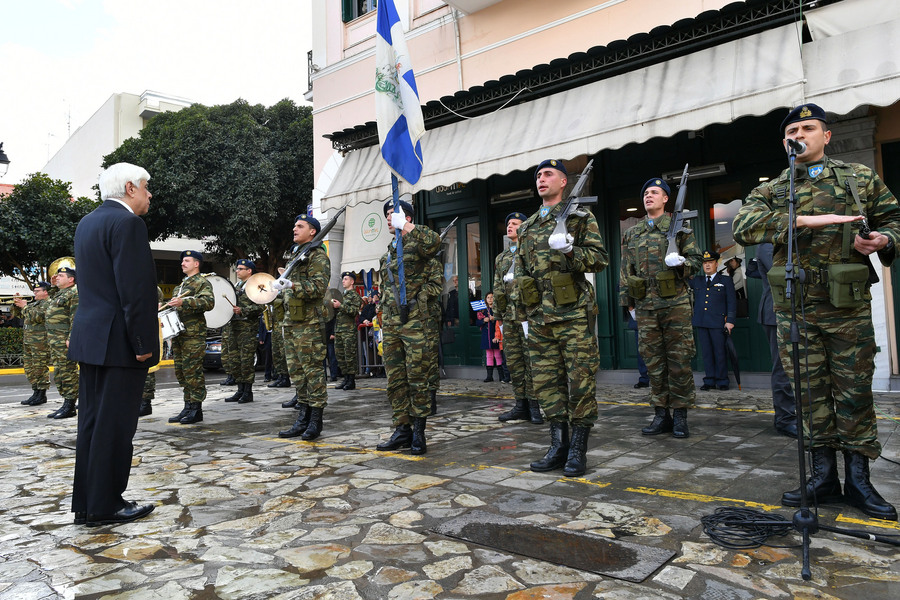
(641, 384)
(131, 512)
(724, 388)
(789, 430)
(706, 387)
(80, 518)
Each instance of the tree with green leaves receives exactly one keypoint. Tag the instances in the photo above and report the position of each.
(39, 218)
(235, 176)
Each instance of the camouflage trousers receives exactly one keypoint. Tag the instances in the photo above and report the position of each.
(305, 348)
(564, 363)
(65, 371)
(228, 355)
(345, 347)
(149, 387)
(36, 359)
(517, 360)
(433, 333)
(279, 362)
(188, 351)
(243, 350)
(837, 357)
(405, 348)
(666, 343)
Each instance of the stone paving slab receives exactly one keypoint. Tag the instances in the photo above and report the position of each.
(242, 513)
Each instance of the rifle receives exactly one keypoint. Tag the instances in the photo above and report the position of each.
(574, 201)
(448, 228)
(679, 215)
(312, 244)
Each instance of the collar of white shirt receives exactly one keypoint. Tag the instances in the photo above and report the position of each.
(122, 202)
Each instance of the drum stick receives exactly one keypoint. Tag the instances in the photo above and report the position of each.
(229, 301)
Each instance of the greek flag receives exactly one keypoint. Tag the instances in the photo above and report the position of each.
(478, 305)
(397, 108)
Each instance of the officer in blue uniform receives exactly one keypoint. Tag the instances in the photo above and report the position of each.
(715, 305)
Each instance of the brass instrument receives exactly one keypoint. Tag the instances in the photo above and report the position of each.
(56, 265)
(12, 299)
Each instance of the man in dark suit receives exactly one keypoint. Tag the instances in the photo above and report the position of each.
(115, 339)
(714, 315)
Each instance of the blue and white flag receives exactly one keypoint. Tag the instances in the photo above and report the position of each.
(397, 107)
(478, 305)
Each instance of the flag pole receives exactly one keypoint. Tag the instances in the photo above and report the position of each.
(401, 273)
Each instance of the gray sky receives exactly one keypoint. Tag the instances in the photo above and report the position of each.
(62, 59)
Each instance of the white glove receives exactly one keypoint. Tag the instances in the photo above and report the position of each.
(561, 242)
(398, 219)
(508, 277)
(282, 284)
(673, 259)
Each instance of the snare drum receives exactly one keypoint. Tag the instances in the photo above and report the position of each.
(170, 323)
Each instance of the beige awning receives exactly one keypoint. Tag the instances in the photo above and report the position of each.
(366, 237)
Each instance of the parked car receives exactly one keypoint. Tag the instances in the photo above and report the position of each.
(212, 358)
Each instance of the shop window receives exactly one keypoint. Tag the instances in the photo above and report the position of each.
(357, 8)
(726, 202)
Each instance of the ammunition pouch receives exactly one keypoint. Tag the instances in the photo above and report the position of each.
(637, 287)
(528, 290)
(666, 284)
(778, 286)
(564, 290)
(500, 302)
(848, 285)
(296, 309)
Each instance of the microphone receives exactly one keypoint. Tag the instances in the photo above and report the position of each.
(797, 147)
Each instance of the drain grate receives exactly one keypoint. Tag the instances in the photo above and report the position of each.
(575, 549)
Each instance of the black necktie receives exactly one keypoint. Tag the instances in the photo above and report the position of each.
(708, 280)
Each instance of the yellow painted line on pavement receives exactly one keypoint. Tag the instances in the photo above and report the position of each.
(700, 497)
(21, 371)
(868, 522)
(382, 453)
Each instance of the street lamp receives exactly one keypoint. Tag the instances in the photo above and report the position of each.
(4, 161)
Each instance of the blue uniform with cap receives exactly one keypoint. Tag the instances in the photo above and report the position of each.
(715, 304)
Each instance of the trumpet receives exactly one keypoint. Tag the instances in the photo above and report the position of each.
(11, 299)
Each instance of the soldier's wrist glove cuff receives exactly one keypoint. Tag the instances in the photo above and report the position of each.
(674, 259)
(562, 242)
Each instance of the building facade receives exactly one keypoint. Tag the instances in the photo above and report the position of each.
(639, 86)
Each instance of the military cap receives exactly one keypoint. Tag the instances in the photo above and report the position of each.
(67, 270)
(553, 164)
(246, 262)
(656, 182)
(711, 255)
(313, 222)
(193, 254)
(405, 206)
(515, 215)
(348, 274)
(43, 284)
(804, 113)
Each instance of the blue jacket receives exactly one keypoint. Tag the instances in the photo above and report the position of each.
(488, 329)
(714, 305)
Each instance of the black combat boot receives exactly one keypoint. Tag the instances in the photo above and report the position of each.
(418, 436)
(184, 411)
(40, 399)
(56, 412)
(559, 448)
(194, 414)
(341, 385)
(859, 492)
(314, 429)
(490, 374)
(576, 463)
(237, 395)
(351, 383)
(823, 485)
(401, 438)
(661, 423)
(433, 403)
(504, 373)
(146, 408)
(247, 396)
(229, 380)
(68, 409)
(276, 380)
(679, 427)
(30, 399)
(300, 424)
(292, 403)
(534, 408)
(285, 381)
(517, 412)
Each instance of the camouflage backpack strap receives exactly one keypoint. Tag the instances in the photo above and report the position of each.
(846, 180)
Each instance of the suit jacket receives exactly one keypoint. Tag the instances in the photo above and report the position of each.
(117, 316)
(714, 305)
(761, 265)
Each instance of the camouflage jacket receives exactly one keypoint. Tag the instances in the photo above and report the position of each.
(33, 316)
(346, 315)
(419, 247)
(537, 260)
(433, 287)
(764, 218)
(197, 299)
(506, 293)
(61, 310)
(250, 310)
(644, 250)
(304, 302)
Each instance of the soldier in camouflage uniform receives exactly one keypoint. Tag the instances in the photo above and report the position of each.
(58, 321)
(838, 339)
(509, 309)
(346, 336)
(433, 288)
(192, 298)
(656, 285)
(243, 329)
(404, 340)
(35, 351)
(304, 328)
(561, 309)
(279, 362)
(149, 391)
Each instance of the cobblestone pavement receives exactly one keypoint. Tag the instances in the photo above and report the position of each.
(242, 514)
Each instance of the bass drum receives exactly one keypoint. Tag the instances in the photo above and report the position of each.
(226, 300)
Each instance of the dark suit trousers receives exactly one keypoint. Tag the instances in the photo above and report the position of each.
(715, 360)
(109, 401)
